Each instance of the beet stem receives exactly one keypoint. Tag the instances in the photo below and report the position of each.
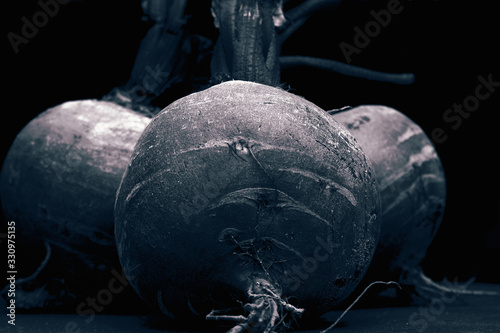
(347, 69)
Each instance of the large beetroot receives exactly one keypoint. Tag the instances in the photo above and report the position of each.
(244, 193)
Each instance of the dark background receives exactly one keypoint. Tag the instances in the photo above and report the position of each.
(90, 45)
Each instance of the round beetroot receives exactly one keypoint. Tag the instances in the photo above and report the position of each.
(411, 181)
(58, 183)
(241, 186)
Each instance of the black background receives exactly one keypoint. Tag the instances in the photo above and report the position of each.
(90, 45)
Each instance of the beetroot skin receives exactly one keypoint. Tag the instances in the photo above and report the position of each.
(58, 183)
(243, 189)
(412, 187)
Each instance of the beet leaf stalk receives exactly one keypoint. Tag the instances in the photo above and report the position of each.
(159, 62)
(251, 33)
(345, 69)
(247, 47)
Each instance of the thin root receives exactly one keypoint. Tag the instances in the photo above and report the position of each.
(32, 277)
(357, 299)
(214, 316)
(428, 285)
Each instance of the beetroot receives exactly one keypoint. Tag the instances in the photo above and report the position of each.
(60, 178)
(412, 187)
(58, 184)
(244, 193)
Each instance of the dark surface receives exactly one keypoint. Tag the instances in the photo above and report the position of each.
(465, 314)
(90, 45)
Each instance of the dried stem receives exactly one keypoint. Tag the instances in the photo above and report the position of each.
(160, 58)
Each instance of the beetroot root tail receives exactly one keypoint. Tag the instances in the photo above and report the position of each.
(267, 311)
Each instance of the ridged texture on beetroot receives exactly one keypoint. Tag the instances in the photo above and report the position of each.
(64, 167)
(243, 179)
(412, 185)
